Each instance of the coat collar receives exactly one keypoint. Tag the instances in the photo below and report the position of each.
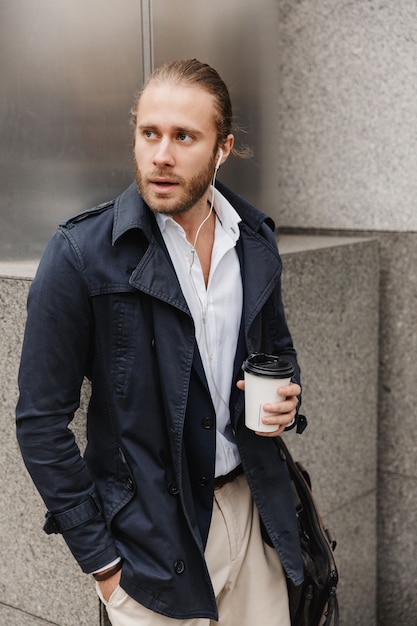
(155, 274)
(130, 212)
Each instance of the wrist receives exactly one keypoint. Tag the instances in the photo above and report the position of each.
(109, 572)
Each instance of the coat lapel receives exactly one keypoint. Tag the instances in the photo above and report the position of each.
(257, 287)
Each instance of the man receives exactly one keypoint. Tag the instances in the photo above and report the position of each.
(182, 514)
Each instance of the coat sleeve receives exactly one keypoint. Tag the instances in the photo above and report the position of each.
(54, 361)
(277, 337)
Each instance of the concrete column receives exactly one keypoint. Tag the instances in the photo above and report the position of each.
(346, 159)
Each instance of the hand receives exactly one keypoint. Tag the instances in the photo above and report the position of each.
(109, 585)
(281, 412)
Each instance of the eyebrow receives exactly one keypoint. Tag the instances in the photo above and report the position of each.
(189, 130)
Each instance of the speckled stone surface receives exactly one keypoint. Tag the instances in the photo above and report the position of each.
(335, 328)
(341, 116)
(398, 355)
(396, 459)
(38, 576)
(397, 552)
(336, 290)
(354, 528)
(397, 433)
(10, 616)
(331, 297)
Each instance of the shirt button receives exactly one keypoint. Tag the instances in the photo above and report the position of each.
(179, 566)
(207, 422)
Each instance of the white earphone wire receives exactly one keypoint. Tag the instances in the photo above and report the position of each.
(202, 308)
(212, 199)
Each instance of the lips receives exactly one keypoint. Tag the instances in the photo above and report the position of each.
(163, 185)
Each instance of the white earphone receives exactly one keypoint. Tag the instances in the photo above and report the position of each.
(216, 167)
(219, 160)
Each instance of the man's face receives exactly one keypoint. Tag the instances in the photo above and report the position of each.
(175, 147)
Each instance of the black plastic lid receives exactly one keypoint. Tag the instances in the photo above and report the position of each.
(261, 364)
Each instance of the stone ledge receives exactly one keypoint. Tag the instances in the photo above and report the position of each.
(288, 244)
(330, 288)
(18, 269)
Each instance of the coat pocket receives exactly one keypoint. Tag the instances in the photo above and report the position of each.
(119, 489)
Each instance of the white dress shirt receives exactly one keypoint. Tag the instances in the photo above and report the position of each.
(216, 311)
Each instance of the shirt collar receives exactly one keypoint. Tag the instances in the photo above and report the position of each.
(226, 214)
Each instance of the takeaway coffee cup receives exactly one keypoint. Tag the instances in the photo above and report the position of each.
(264, 374)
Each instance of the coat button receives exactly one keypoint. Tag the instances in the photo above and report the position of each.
(207, 422)
(173, 489)
(203, 481)
(282, 454)
(179, 566)
(129, 484)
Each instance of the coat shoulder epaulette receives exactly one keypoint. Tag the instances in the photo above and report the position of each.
(97, 210)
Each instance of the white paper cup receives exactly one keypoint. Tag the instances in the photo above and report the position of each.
(264, 375)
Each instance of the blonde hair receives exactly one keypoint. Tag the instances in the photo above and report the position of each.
(191, 72)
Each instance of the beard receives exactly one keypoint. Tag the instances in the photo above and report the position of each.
(192, 190)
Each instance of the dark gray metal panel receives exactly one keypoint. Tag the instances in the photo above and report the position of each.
(238, 38)
(68, 73)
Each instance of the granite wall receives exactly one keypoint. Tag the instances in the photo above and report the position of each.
(343, 88)
(343, 99)
(397, 432)
(332, 300)
(331, 294)
(40, 584)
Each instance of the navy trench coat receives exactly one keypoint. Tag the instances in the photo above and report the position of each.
(106, 304)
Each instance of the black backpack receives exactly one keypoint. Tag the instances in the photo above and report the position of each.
(314, 602)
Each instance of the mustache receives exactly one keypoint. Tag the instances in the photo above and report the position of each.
(163, 173)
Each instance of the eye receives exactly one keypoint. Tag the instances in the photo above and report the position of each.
(184, 137)
(148, 134)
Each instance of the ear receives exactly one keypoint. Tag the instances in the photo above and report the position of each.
(226, 148)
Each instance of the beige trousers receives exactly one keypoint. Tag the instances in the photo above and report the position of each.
(246, 574)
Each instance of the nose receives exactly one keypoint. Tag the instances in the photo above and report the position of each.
(164, 154)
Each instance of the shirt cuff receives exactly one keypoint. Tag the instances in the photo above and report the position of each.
(97, 571)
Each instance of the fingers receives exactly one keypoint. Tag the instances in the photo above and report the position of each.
(281, 420)
(288, 403)
(109, 585)
(282, 412)
(274, 433)
(291, 390)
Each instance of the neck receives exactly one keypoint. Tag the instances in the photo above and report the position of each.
(197, 222)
